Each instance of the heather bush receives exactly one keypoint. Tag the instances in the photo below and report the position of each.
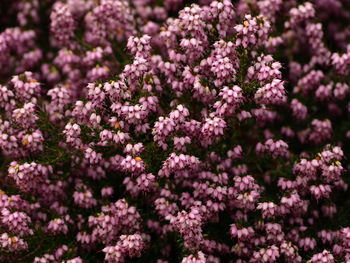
(174, 131)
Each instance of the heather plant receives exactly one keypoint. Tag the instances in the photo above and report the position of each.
(174, 131)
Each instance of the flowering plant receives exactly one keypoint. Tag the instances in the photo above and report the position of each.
(174, 131)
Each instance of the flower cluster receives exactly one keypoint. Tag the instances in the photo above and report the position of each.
(200, 131)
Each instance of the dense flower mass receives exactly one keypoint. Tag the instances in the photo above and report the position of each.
(203, 131)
